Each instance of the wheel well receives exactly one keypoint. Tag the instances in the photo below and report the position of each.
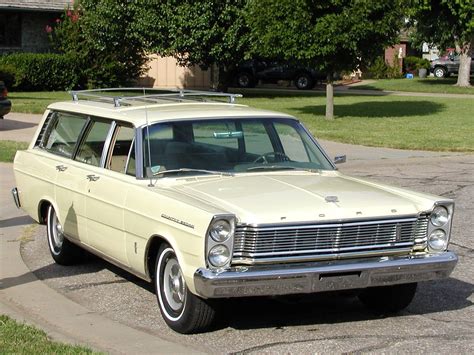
(43, 211)
(303, 72)
(152, 251)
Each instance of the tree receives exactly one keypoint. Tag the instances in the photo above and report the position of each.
(445, 23)
(99, 34)
(331, 35)
(204, 33)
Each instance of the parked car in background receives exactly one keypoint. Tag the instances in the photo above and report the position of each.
(447, 65)
(5, 104)
(250, 72)
(211, 200)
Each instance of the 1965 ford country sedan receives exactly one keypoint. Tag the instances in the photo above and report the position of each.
(211, 200)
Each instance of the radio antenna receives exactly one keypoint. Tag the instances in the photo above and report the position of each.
(148, 169)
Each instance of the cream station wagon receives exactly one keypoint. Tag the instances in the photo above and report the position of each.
(211, 200)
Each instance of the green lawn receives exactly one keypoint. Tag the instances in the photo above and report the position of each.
(35, 102)
(9, 148)
(429, 85)
(19, 338)
(425, 123)
(438, 124)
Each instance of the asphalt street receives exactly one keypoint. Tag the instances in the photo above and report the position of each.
(440, 319)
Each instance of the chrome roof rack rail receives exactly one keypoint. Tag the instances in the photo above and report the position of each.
(126, 96)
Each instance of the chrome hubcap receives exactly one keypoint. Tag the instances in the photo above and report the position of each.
(174, 285)
(57, 233)
(243, 80)
(302, 82)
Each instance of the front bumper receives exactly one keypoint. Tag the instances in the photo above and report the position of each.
(323, 276)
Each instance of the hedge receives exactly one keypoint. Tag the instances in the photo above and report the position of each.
(40, 71)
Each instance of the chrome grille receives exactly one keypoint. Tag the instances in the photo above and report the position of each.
(263, 244)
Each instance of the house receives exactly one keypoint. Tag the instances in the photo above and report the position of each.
(23, 24)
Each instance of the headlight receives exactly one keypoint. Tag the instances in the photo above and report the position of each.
(439, 216)
(438, 240)
(219, 255)
(220, 230)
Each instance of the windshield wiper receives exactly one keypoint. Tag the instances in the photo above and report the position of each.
(188, 170)
(281, 167)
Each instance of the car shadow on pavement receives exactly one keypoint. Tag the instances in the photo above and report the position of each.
(16, 221)
(377, 109)
(9, 124)
(339, 307)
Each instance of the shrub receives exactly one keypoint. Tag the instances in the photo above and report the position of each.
(378, 70)
(7, 74)
(42, 71)
(412, 64)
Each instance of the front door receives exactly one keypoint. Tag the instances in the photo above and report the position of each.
(107, 191)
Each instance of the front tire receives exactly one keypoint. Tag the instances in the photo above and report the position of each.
(62, 250)
(184, 312)
(440, 72)
(304, 81)
(388, 299)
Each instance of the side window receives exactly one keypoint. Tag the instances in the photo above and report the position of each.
(256, 138)
(121, 145)
(63, 132)
(292, 143)
(131, 169)
(90, 150)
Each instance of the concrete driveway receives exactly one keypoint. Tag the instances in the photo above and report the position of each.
(440, 319)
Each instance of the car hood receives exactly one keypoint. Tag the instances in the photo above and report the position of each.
(303, 197)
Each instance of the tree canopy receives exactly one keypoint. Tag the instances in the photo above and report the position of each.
(446, 24)
(100, 35)
(332, 35)
(204, 33)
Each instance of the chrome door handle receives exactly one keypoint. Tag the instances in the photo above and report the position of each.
(61, 168)
(93, 177)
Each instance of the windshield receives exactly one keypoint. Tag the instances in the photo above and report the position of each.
(230, 146)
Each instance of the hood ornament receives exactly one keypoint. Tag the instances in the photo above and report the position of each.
(331, 199)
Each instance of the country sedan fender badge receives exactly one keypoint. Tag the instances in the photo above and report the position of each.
(331, 199)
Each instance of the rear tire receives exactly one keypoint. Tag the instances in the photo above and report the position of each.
(388, 299)
(184, 312)
(62, 250)
(245, 80)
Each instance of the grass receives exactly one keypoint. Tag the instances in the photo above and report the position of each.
(420, 123)
(35, 102)
(9, 148)
(429, 85)
(19, 338)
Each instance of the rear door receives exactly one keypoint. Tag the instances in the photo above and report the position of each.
(61, 140)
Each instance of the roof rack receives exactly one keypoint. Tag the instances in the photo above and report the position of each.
(126, 96)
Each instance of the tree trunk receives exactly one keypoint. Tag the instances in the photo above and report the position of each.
(223, 79)
(329, 97)
(464, 72)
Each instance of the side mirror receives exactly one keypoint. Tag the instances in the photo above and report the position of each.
(339, 159)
